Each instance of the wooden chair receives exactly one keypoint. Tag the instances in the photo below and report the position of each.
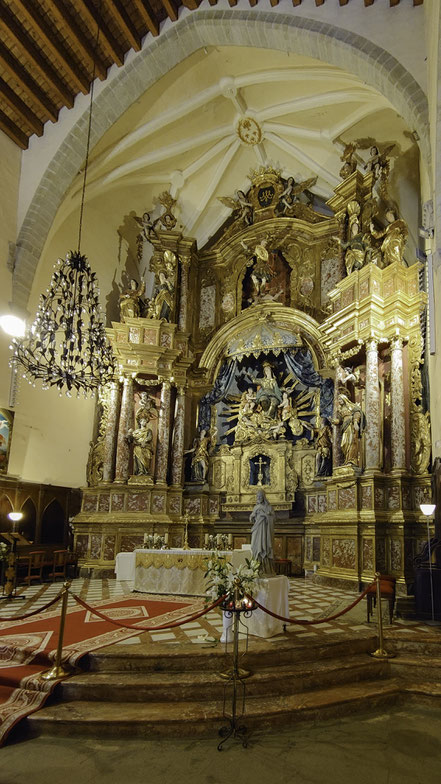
(60, 562)
(283, 566)
(35, 567)
(387, 591)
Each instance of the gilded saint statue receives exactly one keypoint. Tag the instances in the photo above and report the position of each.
(323, 465)
(142, 440)
(95, 463)
(161, 305)
(202, 446)
(268, 391)
(353, 423)
(130, 303)
(394, 238)
(262, 534)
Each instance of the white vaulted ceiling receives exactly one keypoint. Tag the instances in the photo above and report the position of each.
(182, 135)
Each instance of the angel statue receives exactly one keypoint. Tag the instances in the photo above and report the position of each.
(378, 163)
(148, 229)
(240, 205)
(394, 238)
(357, 250)
(349, 160)
(130, 302)
(292, 192)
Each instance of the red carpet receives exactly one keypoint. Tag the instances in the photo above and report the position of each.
(28, 647)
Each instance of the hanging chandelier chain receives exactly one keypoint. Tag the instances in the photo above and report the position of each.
(89, 126)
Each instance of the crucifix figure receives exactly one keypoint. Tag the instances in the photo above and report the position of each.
(260, 463)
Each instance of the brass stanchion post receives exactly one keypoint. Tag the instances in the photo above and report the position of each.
(380, 653)
(58, 671)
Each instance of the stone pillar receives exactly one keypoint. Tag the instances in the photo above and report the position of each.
(397, 426)
(125, 422)
(163, 434)
(111, 432)
(372, 435)
(183, 294)
(178, 439)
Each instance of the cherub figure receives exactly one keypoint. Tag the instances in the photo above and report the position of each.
(240, 205)
(292, 192)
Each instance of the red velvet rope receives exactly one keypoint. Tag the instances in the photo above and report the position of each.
(148, 628)
(34, 612)
(312, 623)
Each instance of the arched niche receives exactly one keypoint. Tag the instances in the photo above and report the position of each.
(5, 507)
(28, 524)
(52, 523)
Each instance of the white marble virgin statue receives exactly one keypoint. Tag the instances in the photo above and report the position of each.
(262, 533)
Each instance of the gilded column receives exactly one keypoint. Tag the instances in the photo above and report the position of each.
(183, 295)
(111, 432)
(398, 445)
(163, 434)
(178, 439)
(372, 436)
(125, 422)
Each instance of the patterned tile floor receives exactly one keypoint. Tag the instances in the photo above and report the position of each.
(306, 600)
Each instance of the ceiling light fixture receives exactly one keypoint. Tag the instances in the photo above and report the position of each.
(66, 346)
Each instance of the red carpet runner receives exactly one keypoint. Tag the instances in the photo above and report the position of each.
(27, 647)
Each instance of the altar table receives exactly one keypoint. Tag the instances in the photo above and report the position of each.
(273, 594)
(176, 571)
(125, 566)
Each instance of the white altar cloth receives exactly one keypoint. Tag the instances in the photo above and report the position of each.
(273, 594)
(176, 571)
(125, 566)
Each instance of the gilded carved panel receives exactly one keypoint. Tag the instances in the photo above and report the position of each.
(347, 497)
(368, 555)
(109, 548)
(95, 547)
(326, 551)
(366, 497)
(343, 553)
(89, 502)
(332, 500)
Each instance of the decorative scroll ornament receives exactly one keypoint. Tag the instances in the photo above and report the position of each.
(66, 345)
(249, 131)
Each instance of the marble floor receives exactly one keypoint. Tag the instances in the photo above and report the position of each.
(397, 746)
(307, 600)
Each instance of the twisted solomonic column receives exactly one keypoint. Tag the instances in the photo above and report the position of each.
(125, 422)
(162, 447)
(397, 425)
(178, 439)
(111, 432)
(372, 435)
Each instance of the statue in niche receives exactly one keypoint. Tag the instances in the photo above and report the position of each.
(357, 249)
(323, 466)
(130, 303)
(262, 533)
(147, 407)
(394, 238)
(142, 440)
(161, 304)
(353, 423)
(202, 446)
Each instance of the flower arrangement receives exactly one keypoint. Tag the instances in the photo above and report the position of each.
(223, 579)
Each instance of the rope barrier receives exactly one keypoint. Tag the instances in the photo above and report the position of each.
(34, 612)
(147, 628)
(311, 623)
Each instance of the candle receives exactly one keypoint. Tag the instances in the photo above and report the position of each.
(218, 539)
(230, 538)
(166, 538)
(206, 539)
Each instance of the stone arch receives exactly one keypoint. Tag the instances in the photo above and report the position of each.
(28, 525)
(52, 523)
(209, 27)
(6, 506)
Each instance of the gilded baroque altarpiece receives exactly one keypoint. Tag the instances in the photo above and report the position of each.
(286, 354)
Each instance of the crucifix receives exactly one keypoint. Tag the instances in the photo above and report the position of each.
(261, 463)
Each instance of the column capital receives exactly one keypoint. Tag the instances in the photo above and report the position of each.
(397, 343)
(372, 344)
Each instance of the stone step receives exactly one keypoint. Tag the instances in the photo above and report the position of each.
(414, 643)
(416, 669)
(199, 719)
(156, 657)
(181, 686)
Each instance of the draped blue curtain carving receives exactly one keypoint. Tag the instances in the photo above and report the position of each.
(221, 385)
(302, 367)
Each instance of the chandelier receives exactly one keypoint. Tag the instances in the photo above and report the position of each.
(66, 346)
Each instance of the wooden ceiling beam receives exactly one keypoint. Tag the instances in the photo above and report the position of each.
(106, 39)
(319, 2)
(172, 10)
(394, 2)
(297, 2)
(274, 2)
(43, 31)
(33, 91)
(76, 34)
(343, 2)
(368, 2)
(14, 133)
(253, 2)
(123, 21)
(191, 4)
(212, 2)
(232, 2)
(30, 51)
(418, 2)
(19, 107)
(148, 16)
